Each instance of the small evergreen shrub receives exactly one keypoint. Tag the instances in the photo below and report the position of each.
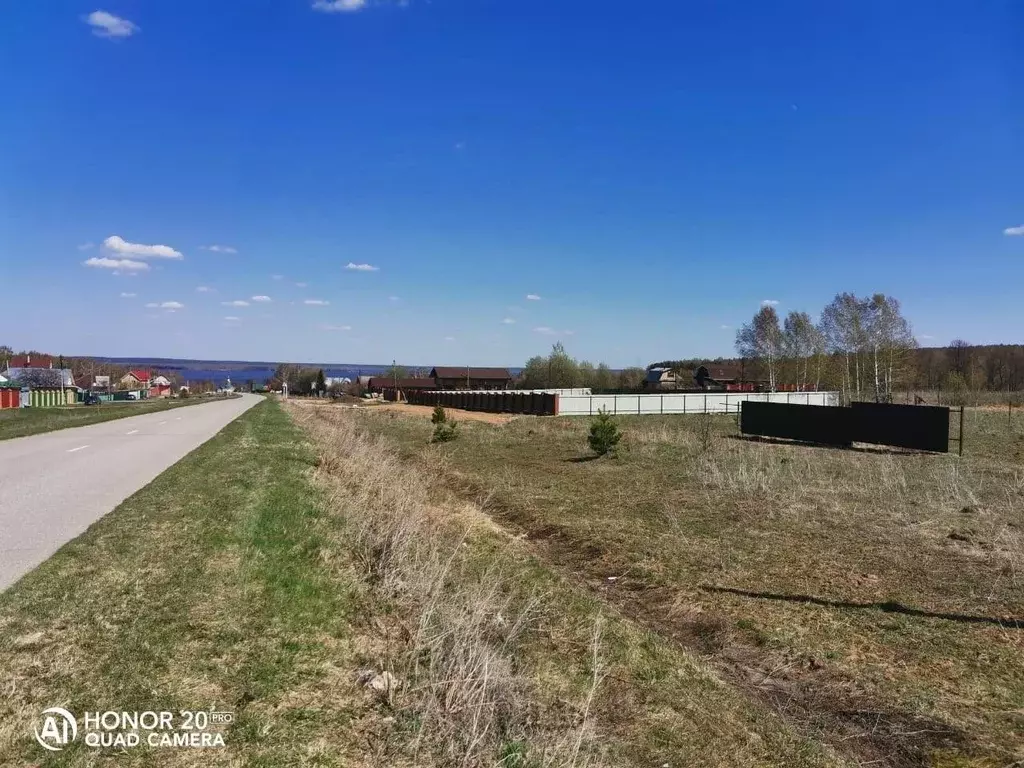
(604, 433)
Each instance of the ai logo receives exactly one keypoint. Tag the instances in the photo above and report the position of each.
(59, 729)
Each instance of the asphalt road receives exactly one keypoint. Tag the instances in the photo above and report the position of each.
(55, 485)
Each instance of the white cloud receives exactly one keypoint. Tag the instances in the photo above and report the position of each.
(926, 337)
(108, 25)
(235, 303)
(770, 303)
(127, 295)
(204, 289)
(119, 245)
(152, 305)
(86, 246)
(393, 298)
(532, 297)
(126, 264)
(337, 327)
(508, 320)
(261, 299)
(277, 277)
(219, 248)
(301, 285)
(316, 302)
(232, 319)
(545, 331)
(362, 267)
(339, 6)
(449, 338)
(725, 327)
(1014, 231)
(172, 305)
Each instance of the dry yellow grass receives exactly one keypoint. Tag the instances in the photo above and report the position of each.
(502, 660)
(874, 598)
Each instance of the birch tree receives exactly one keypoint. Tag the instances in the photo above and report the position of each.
(842, 328)
(799, 343)
(890, 341)
(761, 340)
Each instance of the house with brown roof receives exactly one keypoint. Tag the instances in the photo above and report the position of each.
(448, 378)
(710, 376)
(380, 383)
(30, 361)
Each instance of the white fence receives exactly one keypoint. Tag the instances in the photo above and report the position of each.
(577, 392)
(678, 402)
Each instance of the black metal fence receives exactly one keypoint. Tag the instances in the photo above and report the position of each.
(826, 424)
(924, 428)
(537, 404)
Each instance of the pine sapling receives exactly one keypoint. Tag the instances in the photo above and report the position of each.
(604, 433)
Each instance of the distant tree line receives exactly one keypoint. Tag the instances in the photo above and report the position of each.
(965, 367)
(559, 370)
(865, 348)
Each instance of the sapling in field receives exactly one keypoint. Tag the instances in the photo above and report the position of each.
(444, 430)
(604, 433)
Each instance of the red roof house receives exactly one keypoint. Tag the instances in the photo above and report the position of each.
(134, 379)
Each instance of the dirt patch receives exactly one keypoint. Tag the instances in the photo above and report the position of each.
(345, 401)
(426, 410)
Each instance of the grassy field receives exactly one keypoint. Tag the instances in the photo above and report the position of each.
(209, 588)
(359, 597)
(873, 599)
(19, 422)
(506, 662)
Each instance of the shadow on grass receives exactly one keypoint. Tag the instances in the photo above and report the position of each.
(878, 450)
(888, 607)
(582, 459)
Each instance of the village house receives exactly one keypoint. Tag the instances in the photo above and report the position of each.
(448, 378)
(135, 380)
(380, 383)
(160, 386)
(48, 385)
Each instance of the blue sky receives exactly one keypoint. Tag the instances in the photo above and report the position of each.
(652, 171)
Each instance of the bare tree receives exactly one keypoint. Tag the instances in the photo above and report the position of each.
(960, 355)
(40, 377)
(890, 340)
(800, 342)
(761, 340)
(842, 326)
